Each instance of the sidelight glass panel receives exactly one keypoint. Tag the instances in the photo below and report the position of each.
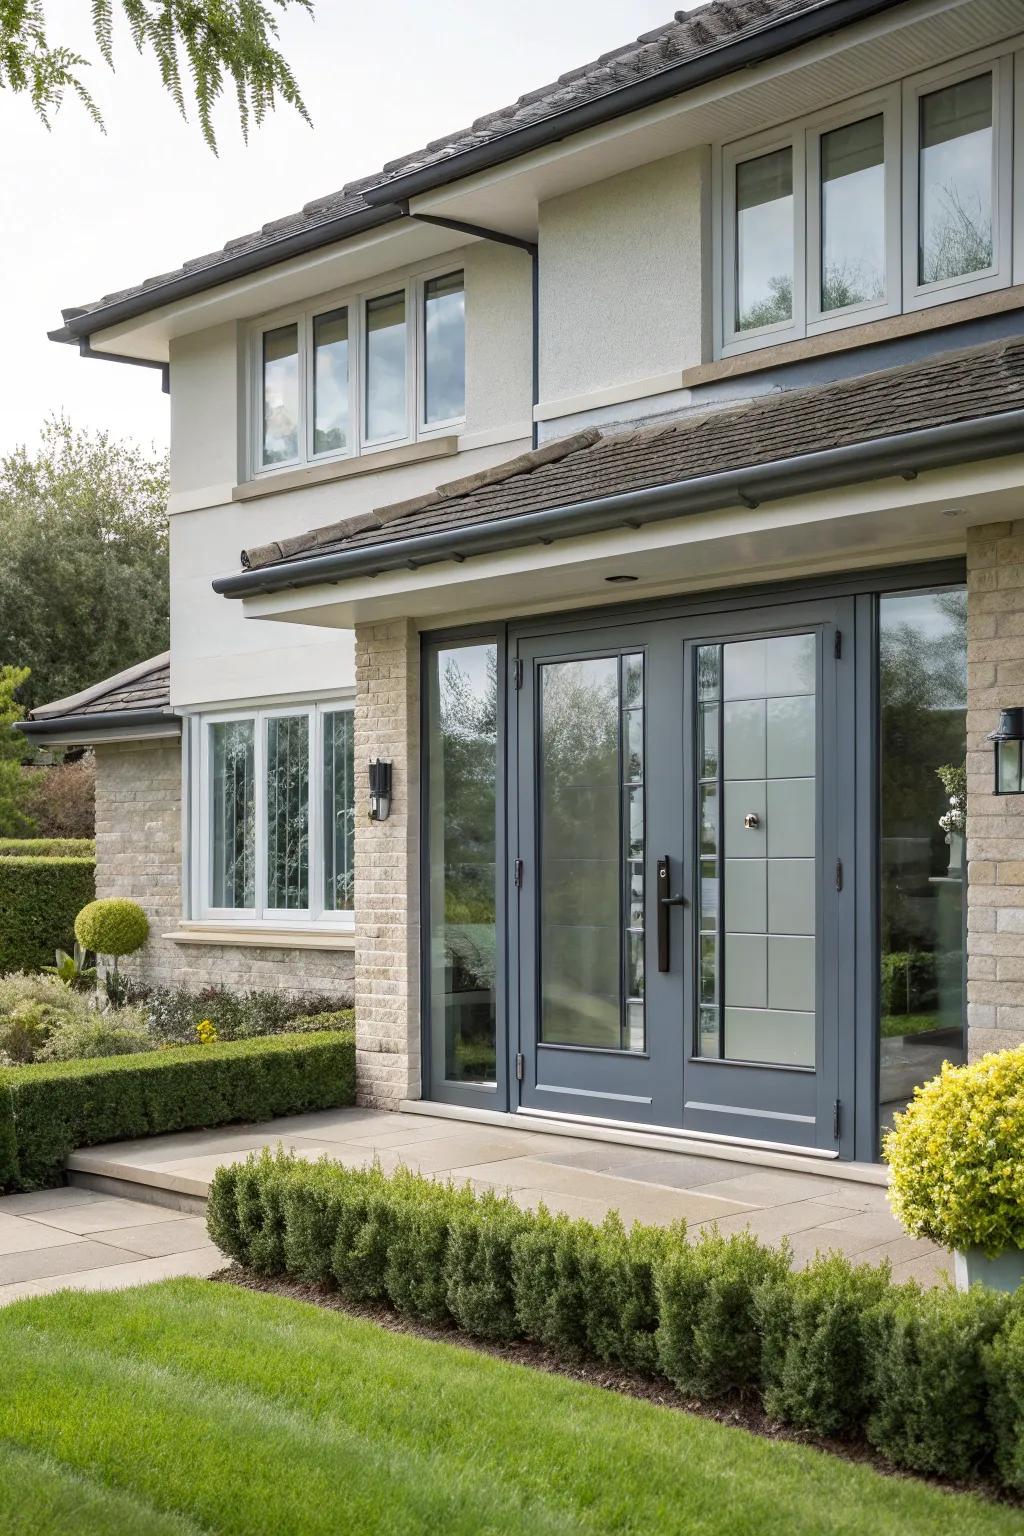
(386, 406)
(339, 812)
(853, 214)
(764, 240)
(923, 730)
(955, 180)
(592, 837)
(280, 395)
(330, 382)
(232, 748)
(462, 746)
(288, 812)
(444, 347)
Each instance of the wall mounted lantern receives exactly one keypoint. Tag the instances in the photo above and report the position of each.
(380, 790)
(1008, 737)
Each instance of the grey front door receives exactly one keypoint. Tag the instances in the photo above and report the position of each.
(677, 837)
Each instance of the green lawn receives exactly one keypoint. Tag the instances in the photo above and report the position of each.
(188, 1407)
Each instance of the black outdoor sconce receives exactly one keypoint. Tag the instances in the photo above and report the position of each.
(380, 790)
(1008, 737)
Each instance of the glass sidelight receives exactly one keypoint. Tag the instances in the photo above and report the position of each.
(757, 838)
(592, 845)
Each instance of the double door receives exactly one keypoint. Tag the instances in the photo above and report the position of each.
(681, 830)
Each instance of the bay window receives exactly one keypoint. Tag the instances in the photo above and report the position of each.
(369, 371)
(273, 814)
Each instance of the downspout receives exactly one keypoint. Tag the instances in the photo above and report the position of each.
(85, 349)
(530, 247)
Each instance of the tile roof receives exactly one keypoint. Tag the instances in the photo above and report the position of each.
(965, 385)
(145, 687)
(688, 36)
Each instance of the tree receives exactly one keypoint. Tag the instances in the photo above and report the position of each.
(13, 820)
(83, 579)
(219, 38)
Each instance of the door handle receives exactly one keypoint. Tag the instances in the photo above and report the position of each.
(665, 903)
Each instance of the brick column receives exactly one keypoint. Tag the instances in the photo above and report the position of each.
(387, 867)
(995, 823)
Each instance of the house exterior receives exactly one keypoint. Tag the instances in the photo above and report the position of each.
(629, 491)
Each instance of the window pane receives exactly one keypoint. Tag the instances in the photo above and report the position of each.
(956, 180)
(853, 214)
(462, 834)
(232, 814)
(280, 394)
(923, 698)
(330, 381)
(764, 240)
(339, 812)
(385, 367)
(288, 812)
(444, 320)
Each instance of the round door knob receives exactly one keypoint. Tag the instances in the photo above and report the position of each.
(751, 821)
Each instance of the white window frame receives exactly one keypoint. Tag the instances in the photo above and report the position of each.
(355, 301)
(1000, 62)
(313, 914)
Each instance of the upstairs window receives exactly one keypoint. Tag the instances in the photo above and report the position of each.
(373, 371)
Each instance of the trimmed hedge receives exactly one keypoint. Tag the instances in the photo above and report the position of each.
(39, 901)
(933, 1380)
(47, 848)
(49, 1109)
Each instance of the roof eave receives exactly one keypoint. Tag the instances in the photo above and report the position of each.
(905, 453)
(82, 727)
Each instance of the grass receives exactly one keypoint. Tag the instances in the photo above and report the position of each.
(189, 1407)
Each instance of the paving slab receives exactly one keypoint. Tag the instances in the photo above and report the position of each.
(20, 1234)
(199, 1261)
(63, 1259)
(157, 1239)
(45, 1200)
(104, 1216)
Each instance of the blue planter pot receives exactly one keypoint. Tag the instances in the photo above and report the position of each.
(1003, 1273)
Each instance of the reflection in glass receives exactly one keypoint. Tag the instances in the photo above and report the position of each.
(385, 367)
(853, 214)
(956, 180)
(462, 833)
(923, 701)
(444, 366)
(280, 394)
(330, 382)
(764, 240)
(592, 853)
(288, 812)
(232, 814)
(339, 812)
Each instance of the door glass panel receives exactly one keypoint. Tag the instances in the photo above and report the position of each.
(462, 688)
(923, 699)
(592, 838)
(956, 181)
(764, 240)
(757, 917)
(853, 214)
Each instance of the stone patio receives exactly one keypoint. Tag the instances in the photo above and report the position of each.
(568, 1173)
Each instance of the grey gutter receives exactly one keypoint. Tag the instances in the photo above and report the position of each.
(905, 453)
(725, 59)
(282, 248)
(113, 719)
(85, 349)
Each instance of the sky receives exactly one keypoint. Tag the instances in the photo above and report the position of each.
(85, 213)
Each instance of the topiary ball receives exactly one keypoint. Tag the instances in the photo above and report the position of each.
(112, 927)
(956, 1160)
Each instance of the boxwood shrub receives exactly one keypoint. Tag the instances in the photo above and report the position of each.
(933, 1380)
(49, 1109)
(47, 848)
(39, 901)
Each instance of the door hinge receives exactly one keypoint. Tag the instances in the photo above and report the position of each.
(517, 873)
(838, 644)
(839, 874)
(520, 1066)
(836, 1114)
(517, 672)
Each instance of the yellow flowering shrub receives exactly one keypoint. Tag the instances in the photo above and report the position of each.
(206, 1029)
(957, 1156)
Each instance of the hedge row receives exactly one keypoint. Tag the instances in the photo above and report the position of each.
(49, 1109)
(47, 847)
(39, 901)
(933, 1380)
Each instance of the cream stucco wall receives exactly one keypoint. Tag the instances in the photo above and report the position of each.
(622, 290)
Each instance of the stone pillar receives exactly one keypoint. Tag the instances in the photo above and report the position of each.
(995, 823)
(387, 867)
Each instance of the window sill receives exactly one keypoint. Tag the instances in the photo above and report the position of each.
(253, 936)
(848, 338)
(347, 469)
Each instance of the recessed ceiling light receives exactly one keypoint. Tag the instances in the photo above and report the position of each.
(953, 512)
(620, 578)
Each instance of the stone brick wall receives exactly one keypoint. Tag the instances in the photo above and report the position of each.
(995, 823)
(138, 854)
(387, 867)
